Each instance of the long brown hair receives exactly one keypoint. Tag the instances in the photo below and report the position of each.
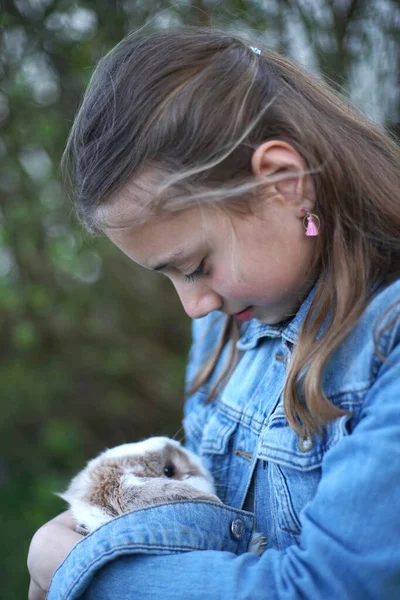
(194, 104)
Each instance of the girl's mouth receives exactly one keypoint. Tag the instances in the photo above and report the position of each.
(244, 315)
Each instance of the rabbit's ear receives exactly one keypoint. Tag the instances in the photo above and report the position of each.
(107, 488)
(129, 490)
(158, 491)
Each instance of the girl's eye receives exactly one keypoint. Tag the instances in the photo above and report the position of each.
(196, 274)
(169, 471)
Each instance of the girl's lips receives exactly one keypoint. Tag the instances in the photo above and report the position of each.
(244, 315)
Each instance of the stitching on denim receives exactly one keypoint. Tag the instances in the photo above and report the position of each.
(243, 418)
(220, 436)
(158, 547)
(240, 415)
(289, 452)
(284, 486)
(127, 547)
(360, 392)
(386, 341)
(302, 462)
(250, 338)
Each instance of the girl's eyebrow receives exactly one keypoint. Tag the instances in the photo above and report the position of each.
(167, 261)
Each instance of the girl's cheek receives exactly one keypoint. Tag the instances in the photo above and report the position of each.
(224, 283)
(238, 291)
(233, 282)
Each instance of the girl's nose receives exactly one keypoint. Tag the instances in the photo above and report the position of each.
(197, 302)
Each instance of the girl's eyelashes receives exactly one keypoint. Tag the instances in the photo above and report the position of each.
(198, 272)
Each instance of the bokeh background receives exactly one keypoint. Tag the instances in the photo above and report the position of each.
(92, 349)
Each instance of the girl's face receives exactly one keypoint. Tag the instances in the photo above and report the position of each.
(219, 260)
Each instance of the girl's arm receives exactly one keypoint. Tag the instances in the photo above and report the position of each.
(349, 546)
(49, 547)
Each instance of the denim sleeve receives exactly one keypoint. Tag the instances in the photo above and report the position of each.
(349, 546)
(163, 530)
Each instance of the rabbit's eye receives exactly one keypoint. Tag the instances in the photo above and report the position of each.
(169, 471)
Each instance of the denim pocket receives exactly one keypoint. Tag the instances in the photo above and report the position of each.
(217, 453)
(214, 437)
(217, 433)
(294, 465)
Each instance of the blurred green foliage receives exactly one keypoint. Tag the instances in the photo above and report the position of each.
(93, 350)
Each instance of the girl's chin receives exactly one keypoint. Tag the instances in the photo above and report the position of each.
(273, 317)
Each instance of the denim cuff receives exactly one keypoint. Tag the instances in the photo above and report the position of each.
(174, 527)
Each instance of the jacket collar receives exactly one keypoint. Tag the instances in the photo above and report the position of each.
(254, 331)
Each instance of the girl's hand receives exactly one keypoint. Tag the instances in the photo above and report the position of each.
(49, 546)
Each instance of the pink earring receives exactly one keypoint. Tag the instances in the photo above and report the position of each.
(311, 223)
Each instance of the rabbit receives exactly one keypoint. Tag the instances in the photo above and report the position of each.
(136, 475)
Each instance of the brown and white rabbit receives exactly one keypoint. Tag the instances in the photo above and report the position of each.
(133, 476)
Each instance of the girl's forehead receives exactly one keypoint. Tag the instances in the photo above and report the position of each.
(132, 203)
(126, 217)
(137, 205)
(146, 197)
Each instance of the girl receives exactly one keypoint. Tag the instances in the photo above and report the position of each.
(274, 209)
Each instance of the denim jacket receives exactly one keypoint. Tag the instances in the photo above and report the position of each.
(328, 506)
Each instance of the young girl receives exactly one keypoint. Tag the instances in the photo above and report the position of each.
(274, 209)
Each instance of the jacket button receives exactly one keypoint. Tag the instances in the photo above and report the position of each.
(305, 444)
(237, 529)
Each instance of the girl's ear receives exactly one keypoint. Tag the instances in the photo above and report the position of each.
(275, 159)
